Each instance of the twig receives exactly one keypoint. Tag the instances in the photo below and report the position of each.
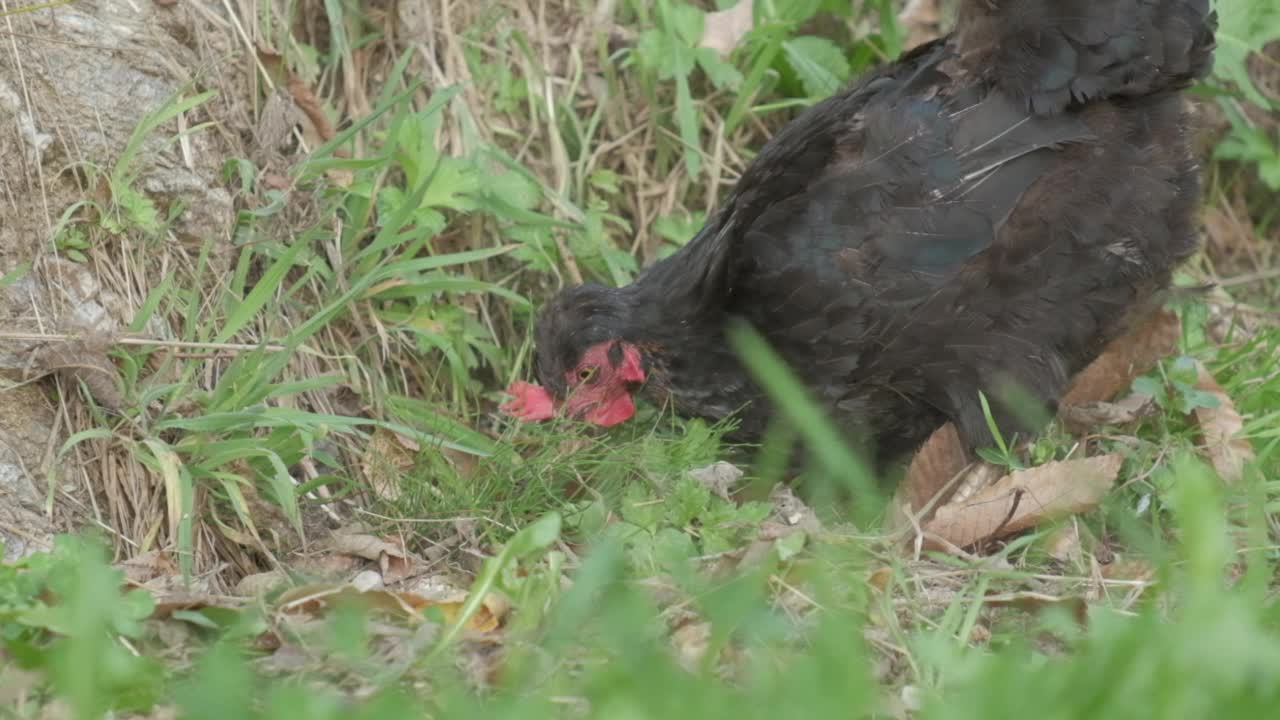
(1253, 277)
(155, 342)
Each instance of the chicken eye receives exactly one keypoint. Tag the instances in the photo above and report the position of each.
(586, 374)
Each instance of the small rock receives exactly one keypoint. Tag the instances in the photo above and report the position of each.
(367, 580)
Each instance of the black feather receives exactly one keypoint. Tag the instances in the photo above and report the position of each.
(982, 214)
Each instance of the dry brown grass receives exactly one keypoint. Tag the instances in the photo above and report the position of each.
(252, 54)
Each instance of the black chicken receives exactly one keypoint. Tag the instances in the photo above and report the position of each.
(983, 214)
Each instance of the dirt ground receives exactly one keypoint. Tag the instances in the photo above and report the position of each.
(75, 83)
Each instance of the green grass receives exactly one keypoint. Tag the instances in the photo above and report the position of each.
(389, 291)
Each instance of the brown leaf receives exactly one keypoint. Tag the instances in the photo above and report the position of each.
(980, 476)
(1064, 544)
(1132, 569)
(316, 126)
(934, 466)
(481, 661)
(260, 583)
(148, 566)
(1087, 417)
(310, 106)
(1034, 602)
(1220, 429)
(724, 28)
(386, 457)
(167, 603)
(369, 547)
(328, 565)
(1023, 499)
(317, 598)
(690, 641)
(1230, 320)
(394, 561)
(880, 577)
(464, 463)
(396, 567)
(1230, 235)
(1124, 359)
(84, 359)
(922, 20)
(272, 62)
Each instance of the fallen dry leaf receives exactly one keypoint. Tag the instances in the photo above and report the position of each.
(309, 109)
(690, 642)
(1231, 236)
(385, 458)
(1035, 602)
(288, 658)
(493, 610)
(922, 20)
(393, 560)
(980, 476)
(369, 547)
(395, 568)
(724, 28)
(718, 477)
(1124, 359)
(1087, 417)
(1064, 545)
(260, 583)
(316, 599)
(168, 603)
(148, 566)
(328, 565)
(312, 107)
(481, 661)
(1132, 569)
(464, 463)
(880, 577)
(1023, 499)
(1220, 429)
(934, 466)
(84, 359)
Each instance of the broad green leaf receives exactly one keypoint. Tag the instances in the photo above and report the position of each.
(819, 64)
(1244, 26)
(1252, 145)
(722, 74)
